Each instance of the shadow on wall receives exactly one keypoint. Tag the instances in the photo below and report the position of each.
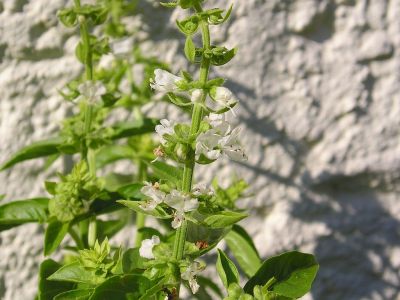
(355, 260)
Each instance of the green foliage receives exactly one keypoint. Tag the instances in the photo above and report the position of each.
(293, 273)
(24, 211)
(244, 250)
(49, 289)
(192, 218)
(73, 192)
(35, 150)
(54, 235)
(226, 269)
(98, 260)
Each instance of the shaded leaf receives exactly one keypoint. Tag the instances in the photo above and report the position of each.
(55, 233)
(157, 212)
(224, 219)
(167, 172)
(242, 247)
(293, 272)
(131, 191)
(35, 150)
(48, 289)
(226, 269)
(127, 129)
(75, 272)
(81, 294)
(112, 153)
(118, 287)
(24, 211)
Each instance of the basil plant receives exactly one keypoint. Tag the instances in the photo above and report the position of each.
(84, 210)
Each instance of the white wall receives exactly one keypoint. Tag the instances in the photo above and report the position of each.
(319, 84)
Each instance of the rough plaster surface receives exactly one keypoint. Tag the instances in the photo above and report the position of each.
(318, 82)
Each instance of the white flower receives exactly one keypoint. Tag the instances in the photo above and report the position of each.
(164, 81)
(230, 146)
(190, 275)
(197, 95)
(166, 127)
(146, 248)
(218, 123)
(154, 193)
(181, 203)
(201, 189)
(206, 143)
(220, 140)
(223, 97)
(92, 91)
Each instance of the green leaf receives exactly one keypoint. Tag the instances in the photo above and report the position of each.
(131, 261)
(242, 247)
(24, 211)
(158, 212)
(118, 287)
(68, 17)
(226, 269)
(207, 282)
(127, 129)
(167, 172)
(48, 289)
(235, 292)
(190, 49)
(81, 52)
(169, 4)
(131, 191)
(294, 273)
(75, 272)
(112, 153)
(54, 235)
(81, 294)
(111, 227)
(50, 187)
(224, 58)
(224, 219)
(148, 232)
(35, 150)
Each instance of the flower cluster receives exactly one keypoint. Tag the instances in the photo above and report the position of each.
(220, 139)
(179, 201)
(217, 137)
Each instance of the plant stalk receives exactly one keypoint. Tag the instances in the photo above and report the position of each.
(197, 116)
(88, 154)
(140, 218)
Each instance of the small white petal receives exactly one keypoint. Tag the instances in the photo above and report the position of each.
(190, 205)
(165, 127)
(178, 219)
(236, 154)
(146, 248)
(197, 95)
(164, 81)
(201, 189)
(194, 286)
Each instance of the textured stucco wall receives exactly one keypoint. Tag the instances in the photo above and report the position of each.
(319, 85)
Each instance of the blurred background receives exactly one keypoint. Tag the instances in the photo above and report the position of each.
(318, 83)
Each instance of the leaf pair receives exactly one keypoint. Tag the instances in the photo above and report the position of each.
(286, 276)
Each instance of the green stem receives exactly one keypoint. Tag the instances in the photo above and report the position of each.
(197, 115)
(140, 218)
(92, 234)
(88, 154)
